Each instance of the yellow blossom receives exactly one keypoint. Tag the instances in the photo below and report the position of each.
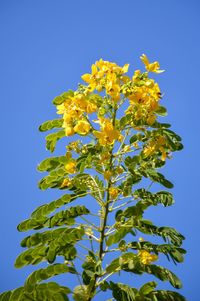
(70, 167)
(125, 68)
(91, 107)
(107, 174)
(136, 75)
(66, 182)
(69, 131)
(163, 152)
(106, 75)
(146, 257)
(82, 127)
(151, 119)
(60, 108)
(113, 192)
(155, 145)
(150, 149)
(152, 67)
(108, 134)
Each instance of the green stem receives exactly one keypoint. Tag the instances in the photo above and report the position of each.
(105, 217)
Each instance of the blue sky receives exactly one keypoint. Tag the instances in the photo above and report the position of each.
(46, 46)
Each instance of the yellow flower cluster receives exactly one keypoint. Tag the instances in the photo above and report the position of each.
(73, 110)
(108, 133)
(106, 75)
(146, 257)
(144, 95)
(142, 92)
(157, 144)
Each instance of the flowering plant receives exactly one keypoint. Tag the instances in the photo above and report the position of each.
(115, 142)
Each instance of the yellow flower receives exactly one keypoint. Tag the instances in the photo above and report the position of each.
(69, 131)
(136, 76)
(150, 149)
(151, 119)
(109, 134)
(82, 127)
(66, 182)
(91, 78)
(155, 145)
(146, 257)
(107, 174)
(70, 167)
(163, 152)
(80, 101)
(125, 68)
(61, 108)
(102, 74)
(113, 89)
(152, 67)
(113, 192)
(91, 107)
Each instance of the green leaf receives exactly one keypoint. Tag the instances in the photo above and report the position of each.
(46, 209)
(60, 235)
(80, 293)
(51, 124)
(83, 181)
(46, 273)
(124, 120)
(52, 139)
(123, 292)
(137, 267)
(173, 139)
(169, 250)
(64, 217)
(137, 137)
(61, 98)
(162, 111)
(117, 264)
(131, 180)
(32, 256)
(60, 246)
(156, 177)
(148, 288)
(163, 274)
(167, 233)
(52, 163)
(160, 125)
(162, 197)
(172, 134)
(162, 295)
(53, 180)
(50, 291)
(5, 296)
(117, 236)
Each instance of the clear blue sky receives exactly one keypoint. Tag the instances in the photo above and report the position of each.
(46, 46)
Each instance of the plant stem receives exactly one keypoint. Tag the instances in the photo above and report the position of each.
(105, 209)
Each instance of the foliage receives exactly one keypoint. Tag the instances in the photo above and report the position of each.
(116, 142)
